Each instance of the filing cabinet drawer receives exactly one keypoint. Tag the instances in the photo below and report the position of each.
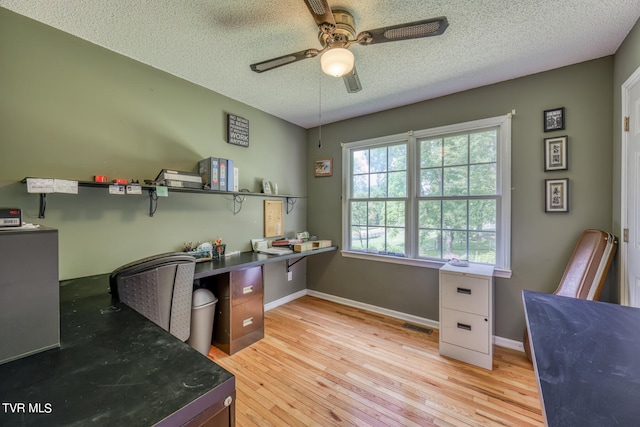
(246, 284)
(465, 293)
(465, 330)
(246, 318)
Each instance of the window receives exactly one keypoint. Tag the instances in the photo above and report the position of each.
(431, 195)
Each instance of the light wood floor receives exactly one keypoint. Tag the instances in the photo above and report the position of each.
(325, 364)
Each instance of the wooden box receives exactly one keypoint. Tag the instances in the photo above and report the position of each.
(309, 246)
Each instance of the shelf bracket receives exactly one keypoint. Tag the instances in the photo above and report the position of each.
(153, 201)
(291, 264)
(291, 201)
(43, 205)
(238, 200)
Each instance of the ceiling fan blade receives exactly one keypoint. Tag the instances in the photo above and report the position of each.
(352, 81)
(283, 60)
(321, 12)
(411, 30)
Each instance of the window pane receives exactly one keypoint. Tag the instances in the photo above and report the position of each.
(360, 187)
(378, 185)
(482, 215)
(398, 158)
(376, 215)
(395, 214)
(429, 214)
(454, 214)
(455, 181)
(359, 238)
(430, 182)
(360, 162)
(431, 153)
(376, 239)
(456, 150)
(482, 179)
(482, 247)
(430, 244)
(378, 161)
(455, 244)
(397, 184)
(395, 241)
(358, 213)
(483, 147)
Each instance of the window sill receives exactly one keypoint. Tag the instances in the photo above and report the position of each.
(498, 272)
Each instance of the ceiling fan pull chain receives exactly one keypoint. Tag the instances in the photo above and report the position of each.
(320, 112)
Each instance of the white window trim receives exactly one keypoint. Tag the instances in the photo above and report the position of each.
(504, 187)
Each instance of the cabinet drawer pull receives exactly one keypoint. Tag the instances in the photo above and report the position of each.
(249, 321)
(247, 290)
(464, 291)
(464, 326)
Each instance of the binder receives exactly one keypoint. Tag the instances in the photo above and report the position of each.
(223, 174)
(209, 170)
(231, 186)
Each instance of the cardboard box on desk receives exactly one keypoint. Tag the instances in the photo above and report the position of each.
(309, 246)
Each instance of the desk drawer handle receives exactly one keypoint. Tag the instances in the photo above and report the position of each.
(464, 326)
(464, 291)
(247, 290)
(247, 322)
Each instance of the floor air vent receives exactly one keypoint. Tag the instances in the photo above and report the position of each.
(418, 328)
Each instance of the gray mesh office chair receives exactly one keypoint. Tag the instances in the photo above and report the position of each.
(158, 287)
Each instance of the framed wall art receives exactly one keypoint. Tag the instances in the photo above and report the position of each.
(556, 195)
(556, 154)
(554, 119)
(323, 167)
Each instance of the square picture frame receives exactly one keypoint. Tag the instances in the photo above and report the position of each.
(554, 119)
(323, 167)
(556, 195)
(556, 154)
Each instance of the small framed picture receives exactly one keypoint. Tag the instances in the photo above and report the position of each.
(323, 167)
(556, 154)
(266, 187)
(556, 195)
(554, 119)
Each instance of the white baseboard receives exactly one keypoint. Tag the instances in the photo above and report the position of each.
(375, 309)
(499, 341)
(285, 299)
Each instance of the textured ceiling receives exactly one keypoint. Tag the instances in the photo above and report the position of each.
(212, 42)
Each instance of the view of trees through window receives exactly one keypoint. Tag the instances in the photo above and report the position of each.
(456, 197)
(379, 199)
(457, 200)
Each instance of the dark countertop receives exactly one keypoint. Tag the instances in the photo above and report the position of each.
(114, 367)
(587, 359)
(247, 260)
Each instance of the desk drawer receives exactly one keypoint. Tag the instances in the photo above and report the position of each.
(465, 330)
(464, 293)
(246, 284)
(246, 318)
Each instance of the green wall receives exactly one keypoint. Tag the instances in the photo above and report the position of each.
(70, 109)
(541, 242)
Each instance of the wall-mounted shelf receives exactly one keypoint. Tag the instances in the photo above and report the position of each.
(238, 196)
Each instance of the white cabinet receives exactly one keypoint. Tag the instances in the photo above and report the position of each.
(466, 313)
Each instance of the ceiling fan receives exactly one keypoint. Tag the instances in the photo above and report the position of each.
(337, 33)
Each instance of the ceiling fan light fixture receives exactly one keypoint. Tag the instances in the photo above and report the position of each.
(337, 61)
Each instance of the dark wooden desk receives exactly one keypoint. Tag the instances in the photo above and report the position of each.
(238, 284)
(249, 259)
(587, 358)
(113, 368)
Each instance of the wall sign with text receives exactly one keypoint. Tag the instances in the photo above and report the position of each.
(237, 130)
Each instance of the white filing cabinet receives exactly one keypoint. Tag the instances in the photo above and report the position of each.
(466, 313)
